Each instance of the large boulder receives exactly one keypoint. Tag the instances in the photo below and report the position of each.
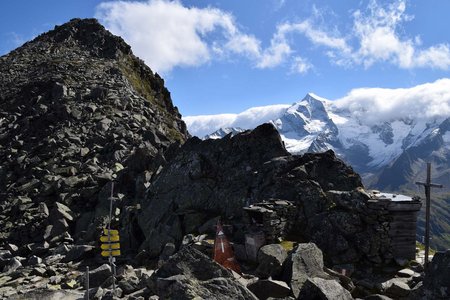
(270, 258)
(305, 262)
(436, 281)
(323, 289)
(190, 274)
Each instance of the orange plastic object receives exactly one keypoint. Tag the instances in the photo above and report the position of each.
(223, 252)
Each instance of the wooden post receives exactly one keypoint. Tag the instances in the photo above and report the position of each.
(428, 185)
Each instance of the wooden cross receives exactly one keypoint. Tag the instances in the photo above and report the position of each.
(428, 185)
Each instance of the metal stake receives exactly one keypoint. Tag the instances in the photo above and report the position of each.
(111, 258)
(87, 282)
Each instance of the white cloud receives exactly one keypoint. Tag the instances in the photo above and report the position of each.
(379, 40)
(167, 34)
(249, 119)
(300, 65)
(375, 105)
(275, 55)
(317, 35)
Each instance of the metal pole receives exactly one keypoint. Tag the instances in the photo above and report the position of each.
(111, 258)
(110, 210)
(87, 282)
(114, 276)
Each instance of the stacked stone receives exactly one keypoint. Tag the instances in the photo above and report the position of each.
(274, 217)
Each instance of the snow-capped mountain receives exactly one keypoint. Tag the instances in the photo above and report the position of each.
(221, 132)
(388, 151)
(386, 135)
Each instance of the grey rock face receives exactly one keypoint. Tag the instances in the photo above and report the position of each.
(436, 281)
(97, 276)
(189, 261)
(190, 274)
(218, 178)
(271, 259)
(12, 265)
(77, 108)
(318, 288)
(305, 262)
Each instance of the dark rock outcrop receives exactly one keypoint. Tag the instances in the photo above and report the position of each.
(218, 178)
(436, 284)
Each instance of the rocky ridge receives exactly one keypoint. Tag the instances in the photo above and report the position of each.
(79, 112)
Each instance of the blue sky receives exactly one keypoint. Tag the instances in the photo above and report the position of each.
(228, 55)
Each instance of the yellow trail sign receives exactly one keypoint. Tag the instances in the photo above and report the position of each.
(111, 231)
(110, 246)
(110, 253)
(112, 238)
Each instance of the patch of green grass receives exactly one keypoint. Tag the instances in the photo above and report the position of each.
(174, 135)
(130, 69)
(288, 245)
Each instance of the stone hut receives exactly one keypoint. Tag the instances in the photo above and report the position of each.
(403, 211)
(372, 225)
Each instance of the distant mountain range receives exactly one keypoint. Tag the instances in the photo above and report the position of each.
(390, 154)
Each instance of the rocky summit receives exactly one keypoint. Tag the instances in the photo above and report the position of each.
(77, 107)
(84, 124)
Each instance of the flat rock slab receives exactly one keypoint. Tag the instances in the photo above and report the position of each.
(406, 273)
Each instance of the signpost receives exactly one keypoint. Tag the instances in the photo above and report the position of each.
(111, 242)
(428, 185)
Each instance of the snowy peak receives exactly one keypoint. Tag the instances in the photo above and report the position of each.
(315, 124)
(222, 132)
(307, 126)
(310, 107)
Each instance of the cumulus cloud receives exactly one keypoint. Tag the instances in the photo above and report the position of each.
(249, 119)
(375, 105)
(377, 31)
(168, 34)
(375, 37)
(300, 65)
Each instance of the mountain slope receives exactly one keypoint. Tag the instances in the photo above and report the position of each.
(78, 109)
